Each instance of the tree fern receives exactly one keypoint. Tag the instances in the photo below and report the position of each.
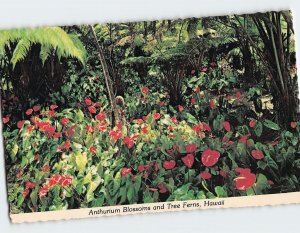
(50, 38)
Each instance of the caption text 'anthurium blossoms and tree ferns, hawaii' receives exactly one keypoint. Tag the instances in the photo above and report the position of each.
(145, 112)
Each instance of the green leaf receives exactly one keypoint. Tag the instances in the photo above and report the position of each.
(258, 129)
(261, 164)
(137, 183)
(80, 115)
(220, 191)
(261, 184)
(201, 195)
(81, 161)
(271, 125)
(191, 119)
(130, 193)
(92, 187)
(14, 152)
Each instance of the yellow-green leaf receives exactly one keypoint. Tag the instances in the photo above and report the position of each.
(81, 161)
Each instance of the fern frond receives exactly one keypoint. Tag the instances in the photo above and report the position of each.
(20, 51)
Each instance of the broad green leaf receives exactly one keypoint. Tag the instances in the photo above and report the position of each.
(261, 184)
(220, 191)
(201, 195)
(258, 129)
(92, 187)
(81, 161)
(130, 193)
(79, 115)
(271, 125)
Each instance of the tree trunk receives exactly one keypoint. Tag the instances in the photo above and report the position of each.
(106, 76)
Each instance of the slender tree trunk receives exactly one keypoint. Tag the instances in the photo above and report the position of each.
(106, 76)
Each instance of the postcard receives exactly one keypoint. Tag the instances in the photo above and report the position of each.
(153, 116)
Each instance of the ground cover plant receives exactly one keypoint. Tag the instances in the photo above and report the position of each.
(143, 112)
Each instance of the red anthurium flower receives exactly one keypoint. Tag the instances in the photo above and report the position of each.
(46, 168)
(244, 138)
(89, 129)
(128, 141)
(67, 145)
(65, 180)
(198, 128)
(50, 131)
(87, 101)
(101, 126)
(161, 103)
(203, 69)
(53, 106)
(119, 125)
(54, 180)
(29, 128)
(188, 160)
(25, 193)
(245, 180)
(93, 149)
(206, 127)
(70, 132)
(174, 120)
(115, 134)
(156, 116)
(139, 121)
(180, 108)
(205, 175)
(170, 152)
(29, 111)
(5, 119)
(193, 101)
(293, 124)
(125, 171)
(226, 126)
(99, 105)
(212, 104)
(43, 191)
(225, 139)
(191, 148)
(65, 121)
(29, 185)
(100, 116)
(145, 129)
(36, 108)
(92, 109)
(141, 168)
(257, 154)
(252, 123)
(145, 90)
(210, 157)
(223, 173)
(147, 167)
(43, 126)
(168, 165)
(36, 157)
(162, 188)
(51, 113)
(20, 124)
